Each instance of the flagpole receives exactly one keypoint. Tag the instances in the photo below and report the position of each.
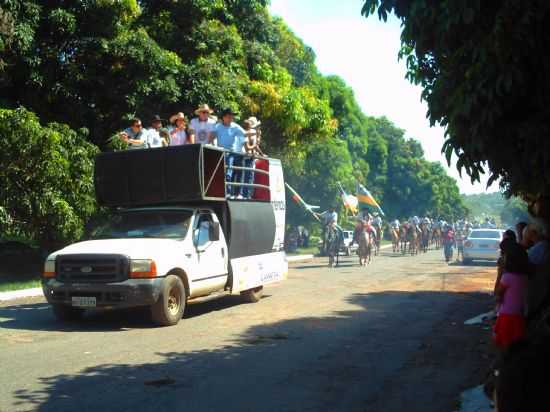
(298, 199)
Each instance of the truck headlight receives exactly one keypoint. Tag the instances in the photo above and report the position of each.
(49, 269)
(143, 268)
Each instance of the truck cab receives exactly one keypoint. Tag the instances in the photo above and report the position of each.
(165, 253)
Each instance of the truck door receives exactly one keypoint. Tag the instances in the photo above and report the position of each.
(211, 254)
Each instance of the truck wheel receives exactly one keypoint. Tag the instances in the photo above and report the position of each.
(168, 310)
(252, 295)
(66, 313)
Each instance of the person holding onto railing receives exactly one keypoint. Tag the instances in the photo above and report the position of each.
(134, 136)
(252, 130)
(252, 148)
(231, 137)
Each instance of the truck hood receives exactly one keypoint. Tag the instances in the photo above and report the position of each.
(135, 248)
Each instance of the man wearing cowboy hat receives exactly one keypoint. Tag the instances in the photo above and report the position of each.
(154, 138)
(231, 137)
(178, 134)
(202, 127)
(252, 131)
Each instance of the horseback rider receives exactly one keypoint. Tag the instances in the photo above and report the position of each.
(328, 219)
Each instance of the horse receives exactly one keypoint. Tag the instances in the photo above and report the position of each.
(412, 238)
(403, 240)
(424, 237)
(395, 239)
(364, 239)
(436, 237)
(378, 239)
(333, 241)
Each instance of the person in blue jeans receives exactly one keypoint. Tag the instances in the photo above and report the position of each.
(231, 137)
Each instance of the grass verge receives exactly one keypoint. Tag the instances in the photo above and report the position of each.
(8, 286)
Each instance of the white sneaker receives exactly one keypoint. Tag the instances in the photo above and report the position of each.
(239, 197)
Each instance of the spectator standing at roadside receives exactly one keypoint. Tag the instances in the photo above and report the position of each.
(520, 227)
(231, 137)
(178, 134)
(202, 127)
(154, 139)
(539, 252)
(510, 297)
(134, 136)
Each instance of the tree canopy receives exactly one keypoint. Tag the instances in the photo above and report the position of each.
(483, 68)
(96, 64)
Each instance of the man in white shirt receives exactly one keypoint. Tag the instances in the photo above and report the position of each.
(154, 138)
(203, 126)
(329, 217)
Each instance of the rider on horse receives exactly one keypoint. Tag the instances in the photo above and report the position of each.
(329, 219)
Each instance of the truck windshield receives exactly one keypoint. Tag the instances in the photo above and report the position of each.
(164, 224)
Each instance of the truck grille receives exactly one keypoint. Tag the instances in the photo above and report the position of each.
(92, 268)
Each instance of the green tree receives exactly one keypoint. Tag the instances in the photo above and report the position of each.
(514, 211)
(482, 66)
(85, 64)
(46, 179)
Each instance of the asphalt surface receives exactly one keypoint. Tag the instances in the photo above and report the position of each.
(388, 337)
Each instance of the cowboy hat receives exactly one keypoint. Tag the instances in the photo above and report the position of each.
(203, 108)
(253, 122)
(227, 111)
(177, 116)
(156, 118)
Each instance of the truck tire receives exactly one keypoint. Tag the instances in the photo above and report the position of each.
(66, 313)
(252, 295)
(169, 308)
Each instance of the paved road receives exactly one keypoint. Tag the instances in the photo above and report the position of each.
(384, 338)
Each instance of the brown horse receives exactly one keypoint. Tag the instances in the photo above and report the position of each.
(436, 237)
(404, 238)
(412, 237)
(365, 248)
(395, 239)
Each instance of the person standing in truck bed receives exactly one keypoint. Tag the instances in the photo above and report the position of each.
(179, 135)
(134, 135)
(202, 128)
(231, 137)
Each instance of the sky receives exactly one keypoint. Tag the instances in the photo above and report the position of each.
(364, 53)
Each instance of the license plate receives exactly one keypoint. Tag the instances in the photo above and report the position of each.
(84, 301)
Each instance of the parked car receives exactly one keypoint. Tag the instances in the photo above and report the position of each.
(347, 248)
(482, 244)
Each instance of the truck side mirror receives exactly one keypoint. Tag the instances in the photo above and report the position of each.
(214, 233)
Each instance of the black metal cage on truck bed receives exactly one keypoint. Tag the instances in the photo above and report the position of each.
(170, 175)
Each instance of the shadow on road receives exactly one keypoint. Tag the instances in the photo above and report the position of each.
(391, 351)
(39, 317)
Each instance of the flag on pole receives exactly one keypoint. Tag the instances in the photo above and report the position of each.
(298, 199)
(366, 200)
(351, 203)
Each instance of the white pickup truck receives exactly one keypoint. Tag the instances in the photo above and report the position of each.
(167, 241)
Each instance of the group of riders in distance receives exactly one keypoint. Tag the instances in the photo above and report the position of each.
(409, 237)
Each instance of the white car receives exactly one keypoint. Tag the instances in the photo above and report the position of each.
(482, 244)
(347, 248)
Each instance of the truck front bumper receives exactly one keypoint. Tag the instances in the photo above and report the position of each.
(130, 293)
